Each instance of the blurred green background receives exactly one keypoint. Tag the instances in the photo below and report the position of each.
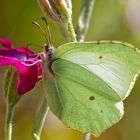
(111, 20)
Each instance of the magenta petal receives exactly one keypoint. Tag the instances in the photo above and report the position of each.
(10, 57)
(6, 43)
(4, 61)
(18, 54)
(28, 76)
(11, 53)
(26, 62)
(25, 50)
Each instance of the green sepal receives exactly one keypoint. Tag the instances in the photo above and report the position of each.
(10, 87)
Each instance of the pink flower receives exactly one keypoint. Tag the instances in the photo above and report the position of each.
(26, 62)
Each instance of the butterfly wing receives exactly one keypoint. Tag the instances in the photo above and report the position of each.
(90, 82)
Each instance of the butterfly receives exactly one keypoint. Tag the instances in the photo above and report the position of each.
(89, 83)
(85, 83)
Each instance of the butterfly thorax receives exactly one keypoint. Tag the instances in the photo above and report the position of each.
(47, 60)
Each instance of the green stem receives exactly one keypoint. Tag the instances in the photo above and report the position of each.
(84, 19)
(40, 120)
(67, 12)
(8, 122)
(86, 136)
(71, 31)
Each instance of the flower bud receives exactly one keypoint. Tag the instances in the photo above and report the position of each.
(60, 11)
(65, 8)
(49, 9)
(57, 10)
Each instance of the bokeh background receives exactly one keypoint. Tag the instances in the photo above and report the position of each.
(111, 20)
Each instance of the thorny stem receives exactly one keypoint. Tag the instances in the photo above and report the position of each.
(8, 122)
(40, 120)
(84, 19)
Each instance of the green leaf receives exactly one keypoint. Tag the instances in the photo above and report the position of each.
(90, 82)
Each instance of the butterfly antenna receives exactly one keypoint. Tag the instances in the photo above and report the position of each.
(48, 29)
(35, 23)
